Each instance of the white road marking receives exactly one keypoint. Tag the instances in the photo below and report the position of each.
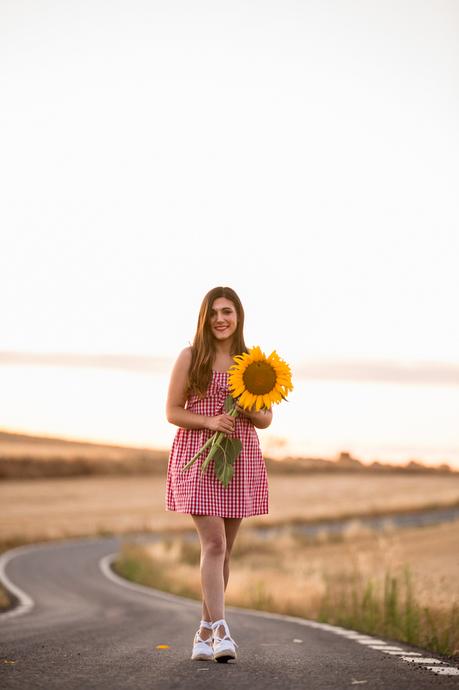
(26, 603)
(422, 660)
(444, 670)
(389, 651)
(366, 640)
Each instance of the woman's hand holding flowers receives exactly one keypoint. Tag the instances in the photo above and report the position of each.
(222, 422)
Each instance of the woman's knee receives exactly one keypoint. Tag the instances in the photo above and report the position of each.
(215, 545)
(212, 534)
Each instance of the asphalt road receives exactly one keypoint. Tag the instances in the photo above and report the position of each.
(79, 626)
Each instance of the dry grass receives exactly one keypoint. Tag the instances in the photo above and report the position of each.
(58, 508)
(403, 584)
(4, 598)
(30, 457)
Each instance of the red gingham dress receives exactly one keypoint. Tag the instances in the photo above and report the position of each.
(194, 493)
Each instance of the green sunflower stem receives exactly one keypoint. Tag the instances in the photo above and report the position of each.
(195, 457)
(214, 442)
(215, 446)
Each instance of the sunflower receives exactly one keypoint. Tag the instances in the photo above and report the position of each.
(259, 380)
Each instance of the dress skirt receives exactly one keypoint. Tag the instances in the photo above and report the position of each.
(197, 494)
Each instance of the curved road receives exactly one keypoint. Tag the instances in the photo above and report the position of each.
(79, 626)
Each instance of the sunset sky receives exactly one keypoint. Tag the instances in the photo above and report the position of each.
(306, 154)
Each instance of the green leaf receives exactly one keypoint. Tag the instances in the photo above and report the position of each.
(229, 403)
(224, 471)
(236, 447)
(227, 475)
(230, 448)
(225, 456)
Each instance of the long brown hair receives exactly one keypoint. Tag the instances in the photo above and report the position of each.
(203, 348)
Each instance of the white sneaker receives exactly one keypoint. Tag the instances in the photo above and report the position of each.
(202, 649)
(224, 647)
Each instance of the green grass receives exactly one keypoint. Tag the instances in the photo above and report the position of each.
(391, 610)
(135, 565)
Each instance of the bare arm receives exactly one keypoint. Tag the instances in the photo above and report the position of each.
(176, 399)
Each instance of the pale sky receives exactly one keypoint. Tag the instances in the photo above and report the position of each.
(306, 154)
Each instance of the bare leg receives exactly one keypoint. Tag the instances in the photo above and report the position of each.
(211, 530)
(231, 528)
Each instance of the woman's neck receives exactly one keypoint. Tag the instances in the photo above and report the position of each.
(223, 350)
(223, 357)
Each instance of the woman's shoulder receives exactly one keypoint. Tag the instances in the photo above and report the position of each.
(184, 357)
(183, 362)
(186, 353)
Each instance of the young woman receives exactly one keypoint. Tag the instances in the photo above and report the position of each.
(195, 403)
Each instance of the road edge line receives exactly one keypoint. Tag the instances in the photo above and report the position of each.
(22, 602)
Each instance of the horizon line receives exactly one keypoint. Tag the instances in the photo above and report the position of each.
(377, 370)
(333, 459)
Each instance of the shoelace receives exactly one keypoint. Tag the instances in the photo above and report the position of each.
(198, 638)
(227, 637)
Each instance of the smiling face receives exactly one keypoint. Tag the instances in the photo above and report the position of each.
(223, 319)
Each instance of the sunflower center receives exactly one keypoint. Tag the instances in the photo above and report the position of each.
(259, 378)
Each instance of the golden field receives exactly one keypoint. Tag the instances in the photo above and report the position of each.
(65, 507)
